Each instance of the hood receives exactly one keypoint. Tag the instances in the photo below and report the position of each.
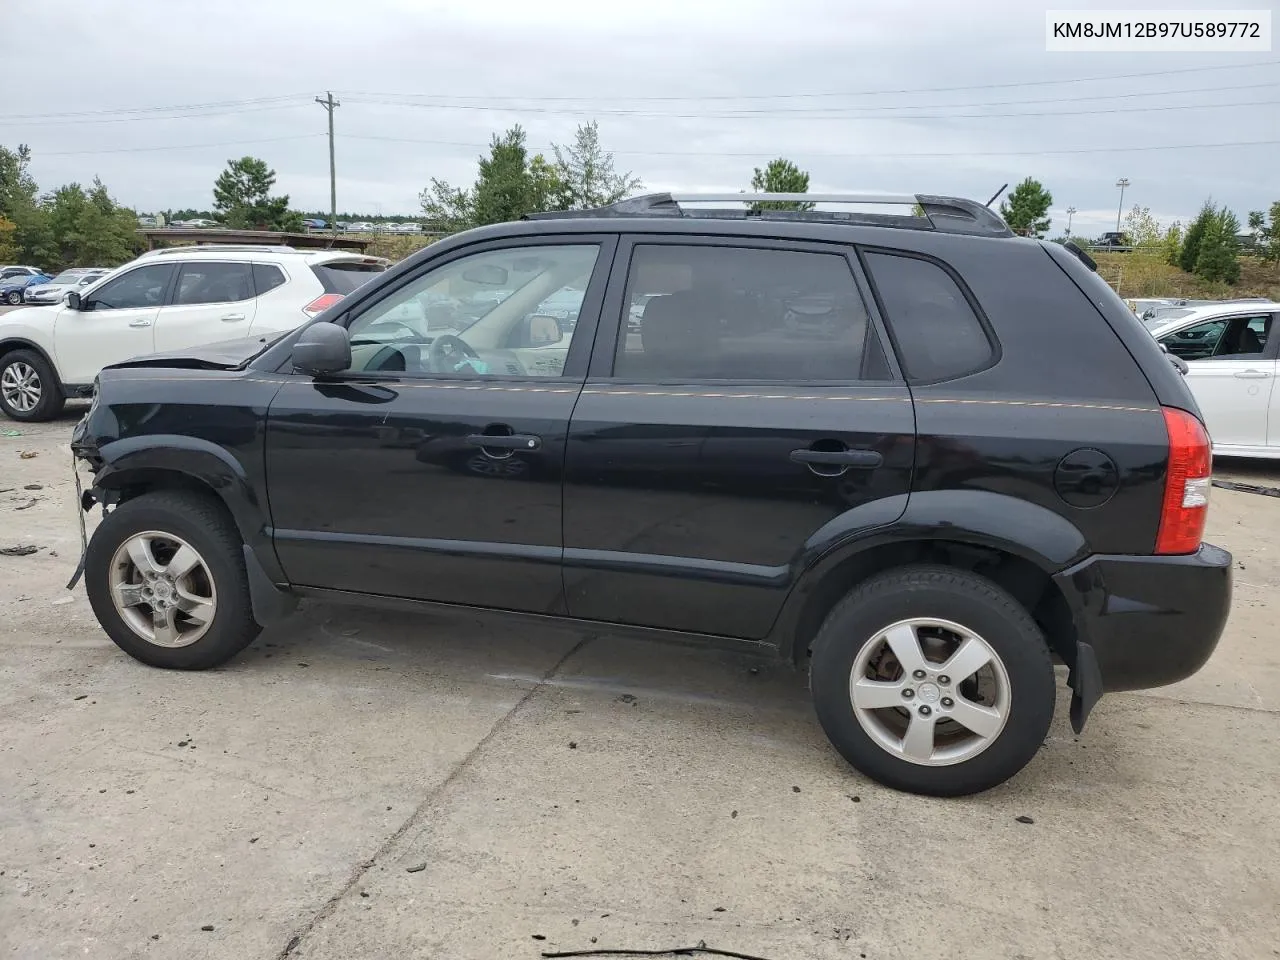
(225, 355)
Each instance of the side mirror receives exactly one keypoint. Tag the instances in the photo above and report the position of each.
(544, 331)
(73, 301)
(322, 348)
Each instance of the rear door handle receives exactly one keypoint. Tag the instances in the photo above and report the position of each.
(233, 317)
(512, 441)
(139, 323)
(1252, 375)
(838, 458)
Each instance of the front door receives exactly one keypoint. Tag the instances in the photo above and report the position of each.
(1231, 370)
(432, 469)
(212, 301)
(115, 323)
(740, 416)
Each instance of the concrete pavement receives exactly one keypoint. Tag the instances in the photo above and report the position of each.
(381, 785)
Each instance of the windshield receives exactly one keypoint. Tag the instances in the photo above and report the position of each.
(68, 276)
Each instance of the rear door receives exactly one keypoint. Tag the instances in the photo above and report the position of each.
(1231, 370)
(741, 421)
(213, 300)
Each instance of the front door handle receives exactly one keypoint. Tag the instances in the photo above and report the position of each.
(1252, 375)
(838, 458)
(139, 323)
(233, 317)
(510, 441)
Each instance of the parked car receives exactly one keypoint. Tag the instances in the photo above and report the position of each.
(1112, 238)
(165, 300)
(14, 289)
(314, 223)
(15, 270)
(1231, 354)
(363, 226)
(77, 278)
(925, 505)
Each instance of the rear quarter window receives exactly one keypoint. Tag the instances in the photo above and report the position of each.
(937, 334)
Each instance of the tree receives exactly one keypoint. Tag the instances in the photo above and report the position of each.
(508, 186)
(1141, 228)
(32, 238)
(782, 176)
(1266, 229)
(8, 248)
(241, 198)
(1195, 236)
(586, 175)
(1025, 210)
(1171, 244)
(447, 206)
(1219, 255)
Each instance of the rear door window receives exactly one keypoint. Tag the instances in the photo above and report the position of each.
(214, 283)
(933, 325)
(743, 313)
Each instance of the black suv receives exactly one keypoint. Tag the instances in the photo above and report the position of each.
(916, 453)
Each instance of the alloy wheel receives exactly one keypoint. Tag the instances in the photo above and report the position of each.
(162, 589)
(930, 691)
(20, 386)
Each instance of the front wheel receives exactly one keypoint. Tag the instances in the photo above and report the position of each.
(166, 579)
(14, 297)
(933, 680)
(29, 390)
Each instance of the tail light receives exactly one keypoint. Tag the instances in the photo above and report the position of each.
(1186, 485)
(321, 303)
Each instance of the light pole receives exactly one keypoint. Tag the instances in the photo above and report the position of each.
(1121, 183)
(1071, 212)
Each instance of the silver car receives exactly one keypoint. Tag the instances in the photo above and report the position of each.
(57, 289)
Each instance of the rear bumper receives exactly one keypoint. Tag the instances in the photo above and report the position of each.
(1144, 621)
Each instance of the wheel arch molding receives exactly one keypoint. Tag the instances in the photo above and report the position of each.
(135, 465)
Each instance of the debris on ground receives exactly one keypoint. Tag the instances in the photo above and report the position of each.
(29, 504)
(22, 550)
(29, 454)
(416, 868)
(13, 433)
(33, 486)
(1246, 487)
(1024, 819)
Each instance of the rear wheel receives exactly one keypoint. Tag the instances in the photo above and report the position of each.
(933, 680)
(165, 577)
(29, 389)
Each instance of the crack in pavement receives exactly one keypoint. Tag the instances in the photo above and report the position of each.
(331, 905)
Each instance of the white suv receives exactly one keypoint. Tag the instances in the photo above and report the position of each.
(165, 300)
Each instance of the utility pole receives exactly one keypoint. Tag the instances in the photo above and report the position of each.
(330, 105)
(1121, 183)
(1071, 212)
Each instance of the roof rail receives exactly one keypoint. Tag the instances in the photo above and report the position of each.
(222, 247)
(943, 214)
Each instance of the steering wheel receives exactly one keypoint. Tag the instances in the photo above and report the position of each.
(447, 352)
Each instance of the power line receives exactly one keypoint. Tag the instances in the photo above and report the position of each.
(173, 116)
(863, 156)
(765, 115)
(515, 108)
(869, 93)
(182, 146)
(303, 97)
(169, 109)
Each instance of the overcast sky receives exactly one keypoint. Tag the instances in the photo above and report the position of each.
(690, 94)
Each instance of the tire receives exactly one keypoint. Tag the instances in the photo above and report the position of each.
(14, 297)
(168, 521)
(943, 609)
(20, 371)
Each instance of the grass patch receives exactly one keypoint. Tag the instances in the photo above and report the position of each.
(1139, 274)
